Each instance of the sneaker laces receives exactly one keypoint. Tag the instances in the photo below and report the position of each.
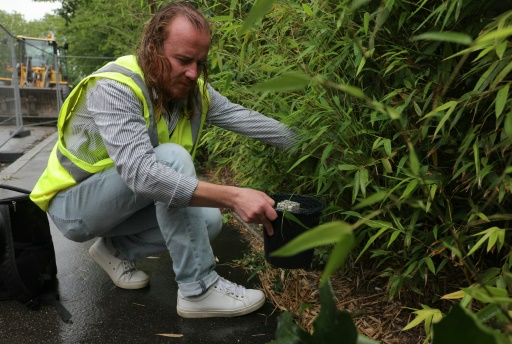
(128, 266)
(229, 287)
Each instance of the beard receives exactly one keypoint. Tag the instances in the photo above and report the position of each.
(179, 90)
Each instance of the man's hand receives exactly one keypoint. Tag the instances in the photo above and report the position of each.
(252, 206)
(255, 207)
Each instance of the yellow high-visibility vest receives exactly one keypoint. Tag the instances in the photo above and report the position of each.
(65, 170)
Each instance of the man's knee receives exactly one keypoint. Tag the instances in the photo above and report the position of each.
(214, 222)
(175, 156)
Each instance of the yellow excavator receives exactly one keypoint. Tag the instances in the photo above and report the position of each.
(42, 73)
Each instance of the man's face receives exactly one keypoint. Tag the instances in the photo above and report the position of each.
(186, 47)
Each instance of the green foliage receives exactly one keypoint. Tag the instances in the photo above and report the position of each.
(401, 108)
(471, 331)
(405, 123)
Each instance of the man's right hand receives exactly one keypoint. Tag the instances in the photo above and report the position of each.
(251, 205)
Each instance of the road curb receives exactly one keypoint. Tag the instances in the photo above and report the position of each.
(12, 169)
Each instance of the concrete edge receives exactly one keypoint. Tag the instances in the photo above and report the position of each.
(25, 158)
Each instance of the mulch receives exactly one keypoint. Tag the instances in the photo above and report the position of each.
(374, 314)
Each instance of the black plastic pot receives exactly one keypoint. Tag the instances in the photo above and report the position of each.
(285, 230)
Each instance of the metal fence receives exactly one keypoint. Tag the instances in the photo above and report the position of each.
(10, 99)
(33, 81)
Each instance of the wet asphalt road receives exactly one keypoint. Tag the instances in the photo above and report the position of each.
(103, 313)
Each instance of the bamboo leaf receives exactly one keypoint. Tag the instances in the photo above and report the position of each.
(358, 3)
(422, 315)
(374, 198)
(371, 240)
(414, 163)
(445, 36)
(497, 34)
(258, 11)
(501, 99)
(409, 189)
(430, 265)
(455, 295)
(325, 234)
(479, 243)
(440, 108)
(307, 10)
(387, 148)
(347, 167)
(363, 180)
(298, 162)
(285, 82)
(508, 124)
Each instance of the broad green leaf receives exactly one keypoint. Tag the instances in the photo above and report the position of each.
(445, 36)
(473, 332)
(285, 82)
(258, 11)
(288, 332)
(328, 233)
(501, 99)
(332, 323)
(338, 256)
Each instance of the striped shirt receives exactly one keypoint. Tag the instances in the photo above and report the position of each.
(112, 118)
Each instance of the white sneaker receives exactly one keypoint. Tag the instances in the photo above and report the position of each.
(123, 273)
(222, 299)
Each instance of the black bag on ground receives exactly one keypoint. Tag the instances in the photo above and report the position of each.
(28, 270)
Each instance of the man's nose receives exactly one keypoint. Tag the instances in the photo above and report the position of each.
(193, 71)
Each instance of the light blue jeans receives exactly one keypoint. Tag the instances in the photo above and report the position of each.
(104, 206)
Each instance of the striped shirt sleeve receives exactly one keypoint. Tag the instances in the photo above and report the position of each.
(250, 123)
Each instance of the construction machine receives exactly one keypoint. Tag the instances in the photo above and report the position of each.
(42, 74)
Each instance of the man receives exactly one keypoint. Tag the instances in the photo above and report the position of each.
(122, 169)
